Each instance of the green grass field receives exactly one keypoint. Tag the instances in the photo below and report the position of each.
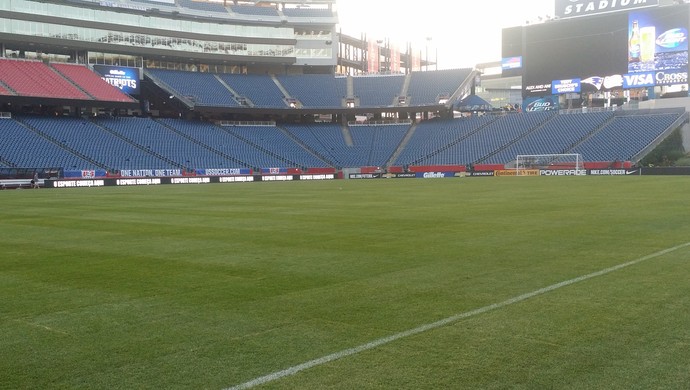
(212, 286)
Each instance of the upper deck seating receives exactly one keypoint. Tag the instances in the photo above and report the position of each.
(36, 79)
(92, 83)
(201, 88)
(260, 89)
(254, 10)
(316, 90)
(378, 91)
(426, 87)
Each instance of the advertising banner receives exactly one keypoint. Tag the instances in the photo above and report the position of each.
(657, 42)
(373, 63)
(148, 181)
(85, 174)
(223, 172)
(122, 77)
(613, 172)
(438, 175)
(565, 86)
(541, 104)
(150, 172)
(639, 80)
(274, 171)
(671, 76)
(511, 63)
(574, 8)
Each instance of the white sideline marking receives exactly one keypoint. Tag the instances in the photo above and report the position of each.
(424, 328)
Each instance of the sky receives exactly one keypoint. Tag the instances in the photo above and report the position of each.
(463, 32)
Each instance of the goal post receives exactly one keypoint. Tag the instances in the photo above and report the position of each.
(570, 161)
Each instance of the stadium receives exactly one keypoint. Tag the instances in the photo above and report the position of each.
(362, 219)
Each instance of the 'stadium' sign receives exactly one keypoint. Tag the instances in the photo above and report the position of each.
(573, 8)
(122, 77)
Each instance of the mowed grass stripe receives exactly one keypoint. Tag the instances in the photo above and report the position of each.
(444, 322)
(206, 286)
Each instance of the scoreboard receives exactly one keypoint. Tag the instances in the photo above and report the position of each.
(636, 48)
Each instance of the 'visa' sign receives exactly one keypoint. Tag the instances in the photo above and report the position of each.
(638, 80)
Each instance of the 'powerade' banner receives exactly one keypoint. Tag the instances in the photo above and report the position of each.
(122, 77)
(566, 86)
(546, 103)
(573, 8)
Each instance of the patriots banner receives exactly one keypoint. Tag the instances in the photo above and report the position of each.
(122, 77)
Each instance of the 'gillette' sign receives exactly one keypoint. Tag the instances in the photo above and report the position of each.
(638, 80)
(122, 77)
(573, 8)
(566, 86)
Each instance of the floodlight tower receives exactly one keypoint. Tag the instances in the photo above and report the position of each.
(426, 52)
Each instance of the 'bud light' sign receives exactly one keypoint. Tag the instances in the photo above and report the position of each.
(122, 77)
(546, 103)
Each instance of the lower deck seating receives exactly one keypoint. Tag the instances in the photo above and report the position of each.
(141, 143)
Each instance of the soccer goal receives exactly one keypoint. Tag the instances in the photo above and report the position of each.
(571, 161)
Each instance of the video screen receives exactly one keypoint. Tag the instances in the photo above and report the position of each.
(122, 77)
(658, 45)
(636, 49)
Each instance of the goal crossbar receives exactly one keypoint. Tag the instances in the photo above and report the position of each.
(548, 161)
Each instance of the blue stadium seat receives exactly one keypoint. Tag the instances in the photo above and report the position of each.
(253, 10)
(203, 6)
(98, 144)
(378, 91)
(308, 12)
(174, 147)
(25, 148)
(202, 89)
(624, 137)
(556, 136)
(316, 90)
(426, 87)
(260, 89)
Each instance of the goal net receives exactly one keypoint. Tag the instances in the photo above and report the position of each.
(528, 162)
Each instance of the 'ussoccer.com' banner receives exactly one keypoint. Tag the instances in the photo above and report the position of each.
(224, 172)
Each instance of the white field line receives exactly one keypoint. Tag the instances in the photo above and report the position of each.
(446, 321)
